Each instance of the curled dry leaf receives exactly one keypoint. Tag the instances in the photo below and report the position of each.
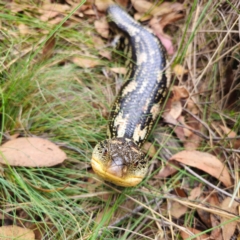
(15, 232)
(206, 162)
(86, 62)
(102, 27)
(31, 152)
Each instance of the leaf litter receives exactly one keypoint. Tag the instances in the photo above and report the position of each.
(31, 152)
(183, 109)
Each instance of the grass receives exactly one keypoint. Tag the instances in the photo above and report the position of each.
(55, 99)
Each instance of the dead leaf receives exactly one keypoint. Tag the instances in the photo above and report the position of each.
(31, 152)
(206, 162)
(48, 47)
(86, 62)
(105, 53)
(142, 6)
(90, 12)
(102, 27)
(204, 215)
(195, 193)
(15, 232)
(177, 209)
(174, 104)
(167, 170)
(50, 10)
(228, 229)
(228, 131)
(119, 70)
(176, 109)
(142, 17)
(187, 132)
(102, 5)
(169, 12)
(193, 140)
(179, 93)
(123, 3)
(186, 236)
(24, 29)
(216, 233)
(149, 148)
(100, 45)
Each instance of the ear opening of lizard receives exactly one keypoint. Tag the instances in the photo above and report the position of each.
(119, 159)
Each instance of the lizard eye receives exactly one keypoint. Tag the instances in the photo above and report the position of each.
(135, 164)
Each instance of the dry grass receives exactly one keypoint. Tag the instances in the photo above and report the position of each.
(51, 97)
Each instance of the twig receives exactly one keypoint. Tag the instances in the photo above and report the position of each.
(200, 134)
(210, 184)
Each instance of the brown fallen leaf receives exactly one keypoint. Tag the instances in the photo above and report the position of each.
(149, 149)
(100, 46)
(193, 140)
(90, 12)
(31, 152)
(228, 131)
(206, 162)
(86, 62)
(142, 17)
(195, 193)
(102, 5)
(119, 70)
(185, 235)
(102, 27)
(48, 47)
(174, 110)
(204, 215)
(164, 15)
(123, 3)
(15, 232)
(167, 170)
(216, 232)
(142, 6)
(51, 10)
(229, 228)
(177, 209)
(24, 29)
